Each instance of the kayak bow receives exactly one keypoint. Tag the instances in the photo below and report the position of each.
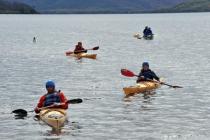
(54, 117)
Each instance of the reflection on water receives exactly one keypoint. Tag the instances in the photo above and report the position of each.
(145, 98)
(70, 128)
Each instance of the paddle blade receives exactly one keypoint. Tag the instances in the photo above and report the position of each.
(69, 53)
(96, 48)
(177, 87)
(127, 73)
(74, 101)
(20, 113)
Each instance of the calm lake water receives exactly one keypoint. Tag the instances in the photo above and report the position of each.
(180, 53)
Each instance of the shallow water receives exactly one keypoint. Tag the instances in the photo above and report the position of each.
(180, 53)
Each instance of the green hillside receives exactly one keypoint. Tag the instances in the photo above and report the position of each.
(193, 6)
(98, 6)
(15, 8)
(190, 6)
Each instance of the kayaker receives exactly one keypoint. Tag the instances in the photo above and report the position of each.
(149, 31)
(145, 30)
(52, 99)
(79, 48)
(146, 74)
(34, 39)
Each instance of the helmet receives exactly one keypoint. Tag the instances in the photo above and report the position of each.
(50, 83)
(145, 64)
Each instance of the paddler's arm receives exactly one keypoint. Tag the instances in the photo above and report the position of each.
(40, 104)
(81, 51)
(155, 76)
(64, 100)
(140, 77)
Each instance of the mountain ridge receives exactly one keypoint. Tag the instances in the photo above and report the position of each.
(15, 8)
(188, 6)
(193, 6)
(99, 6)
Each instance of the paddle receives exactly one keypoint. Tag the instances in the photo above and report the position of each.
(94, 48)
(129, 73)
(21, 113)
(74, 101)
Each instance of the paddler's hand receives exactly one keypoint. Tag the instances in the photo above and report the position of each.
(161, 82)
(56, 104)
(37, 110)
(142, 77)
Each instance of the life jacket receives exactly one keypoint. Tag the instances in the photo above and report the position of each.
(52, 98)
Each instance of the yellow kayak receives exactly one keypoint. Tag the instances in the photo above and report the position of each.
(85, 55)
(138, 36)
(141, 87)
(81, 55)
(54, 117)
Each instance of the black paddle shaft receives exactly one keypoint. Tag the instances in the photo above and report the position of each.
(24, 113)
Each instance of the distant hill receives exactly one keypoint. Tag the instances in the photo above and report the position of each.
(103, 6)
(15, 8)
(98, 6)
(190, 6)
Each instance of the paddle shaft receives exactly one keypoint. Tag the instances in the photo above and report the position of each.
(73, 101)
(94, 48)
(151, 80)
(23, 112)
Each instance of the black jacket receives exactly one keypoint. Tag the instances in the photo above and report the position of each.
(148, 75)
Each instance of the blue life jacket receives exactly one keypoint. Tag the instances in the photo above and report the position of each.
(52, 98)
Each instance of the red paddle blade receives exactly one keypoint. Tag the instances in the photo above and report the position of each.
(68, 53)
(127, 73)
(96, 48)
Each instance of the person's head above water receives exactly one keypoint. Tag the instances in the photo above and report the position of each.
(80, 43)
(145, 65)
(146, 27)
(50, 86)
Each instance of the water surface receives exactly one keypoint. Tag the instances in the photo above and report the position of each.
(180, 53)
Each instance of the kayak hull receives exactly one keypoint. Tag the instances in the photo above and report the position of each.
(85, 55)
(81, 55)
(141, 87)
(54, 117)
(149, 37)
